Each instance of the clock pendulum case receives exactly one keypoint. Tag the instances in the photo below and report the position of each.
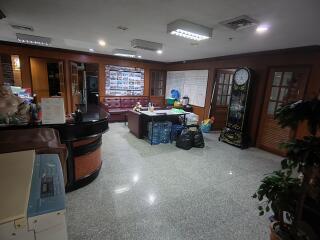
(236, 132)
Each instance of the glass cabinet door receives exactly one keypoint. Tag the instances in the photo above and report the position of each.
(157, 83)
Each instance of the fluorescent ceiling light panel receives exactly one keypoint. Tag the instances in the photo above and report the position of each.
(186, 29)
(124, 53)
(146, 45)
(32, 39)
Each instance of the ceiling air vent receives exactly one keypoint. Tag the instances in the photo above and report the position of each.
(21, 27)
(240, 22)
(32, 39)
(146, 45)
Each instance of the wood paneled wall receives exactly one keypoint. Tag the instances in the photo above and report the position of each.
(26, 52)
(260, 63)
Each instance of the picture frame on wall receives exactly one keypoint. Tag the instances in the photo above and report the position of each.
(122, 81)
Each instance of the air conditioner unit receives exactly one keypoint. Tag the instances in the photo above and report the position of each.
(146, 45)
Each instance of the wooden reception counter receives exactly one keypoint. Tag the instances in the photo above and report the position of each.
(83, 142)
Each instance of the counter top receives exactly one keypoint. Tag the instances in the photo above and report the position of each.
(95, 121)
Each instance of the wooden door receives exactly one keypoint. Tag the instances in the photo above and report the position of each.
(284, 85)
(75, 93)
(39, 77)
(221, 97)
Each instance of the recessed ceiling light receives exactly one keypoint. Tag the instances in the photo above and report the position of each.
(186, 29)
(102, 43)
(262, 28)
(91, 49)
(139, 56)
(159, 51)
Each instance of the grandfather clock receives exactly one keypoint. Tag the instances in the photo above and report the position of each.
(236, 132)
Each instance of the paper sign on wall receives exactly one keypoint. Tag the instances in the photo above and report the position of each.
(190, 83)
(53, 110)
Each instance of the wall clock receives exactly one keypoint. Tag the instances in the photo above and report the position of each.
(236, 132)
(241, 76)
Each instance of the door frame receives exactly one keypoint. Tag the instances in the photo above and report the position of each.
(69, 63)
(57, 60)
(266, 94)
(213, 101)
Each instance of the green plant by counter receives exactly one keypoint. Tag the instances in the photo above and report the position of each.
(286, 190)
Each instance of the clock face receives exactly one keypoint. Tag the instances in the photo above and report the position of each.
(241, 76)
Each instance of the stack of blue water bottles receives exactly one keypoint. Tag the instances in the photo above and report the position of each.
(154, 134)
(165, 132)
(160, 133)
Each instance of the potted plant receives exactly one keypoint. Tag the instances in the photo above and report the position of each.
(285, 191)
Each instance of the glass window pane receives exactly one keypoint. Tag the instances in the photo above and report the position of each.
(223, 100)
(231, 77)
(225, 89)
(228, 100)
(229, 91)
(287, 77)
(271, 107)
(274, 93)
(218, 100)
(221, 79)
(226, 78)
(277, 78)
(279, 105)
(283, 94)
(220, 89)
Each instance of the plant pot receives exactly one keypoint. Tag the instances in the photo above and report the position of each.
(273, 233)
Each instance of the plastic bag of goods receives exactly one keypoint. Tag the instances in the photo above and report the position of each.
(175, 94)
(192, 119)
(177, 104)
(206, 125)
(198, 140)
(176, 130)
(185, 140)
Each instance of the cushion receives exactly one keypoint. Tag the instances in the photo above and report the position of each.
(144, 101)
(128, 102)
(112, 102)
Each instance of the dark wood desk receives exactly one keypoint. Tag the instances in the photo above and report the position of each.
(83, 140)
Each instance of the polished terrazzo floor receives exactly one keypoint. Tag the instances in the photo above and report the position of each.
(162, 192)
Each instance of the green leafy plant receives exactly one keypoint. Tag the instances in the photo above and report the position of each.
(285, 191)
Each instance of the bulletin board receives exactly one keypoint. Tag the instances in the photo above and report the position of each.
(124, 81)
(190, 83)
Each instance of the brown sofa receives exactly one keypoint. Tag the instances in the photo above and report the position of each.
(119, 106)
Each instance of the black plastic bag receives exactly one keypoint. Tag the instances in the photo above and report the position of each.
(198, 140)
(185, 140)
